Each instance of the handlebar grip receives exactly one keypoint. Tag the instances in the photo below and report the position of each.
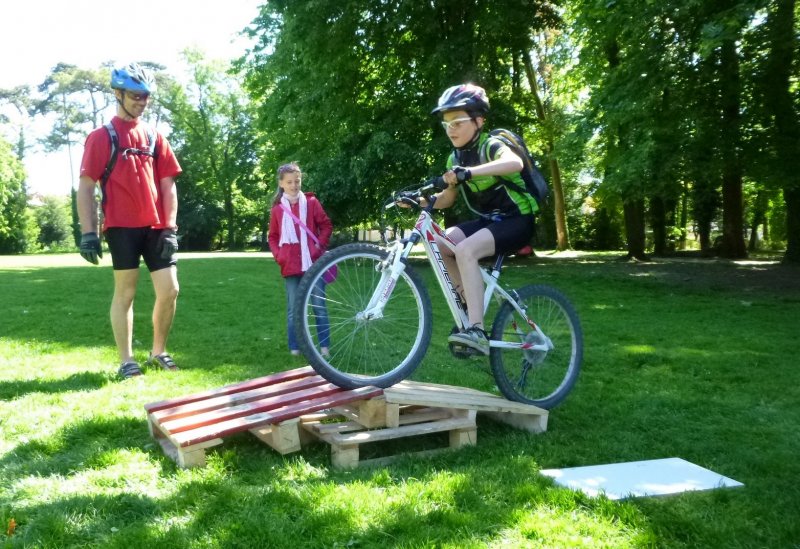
(437, 183)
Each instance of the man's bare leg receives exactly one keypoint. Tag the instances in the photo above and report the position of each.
(122, 311)
(165, 284)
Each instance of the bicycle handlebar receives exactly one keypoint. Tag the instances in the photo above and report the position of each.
(411, 198)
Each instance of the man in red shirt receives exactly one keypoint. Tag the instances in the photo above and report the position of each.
(140, 207)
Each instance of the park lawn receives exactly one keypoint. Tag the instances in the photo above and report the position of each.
(683, 358)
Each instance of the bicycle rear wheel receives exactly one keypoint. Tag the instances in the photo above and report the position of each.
(363, 351)
(539, 377)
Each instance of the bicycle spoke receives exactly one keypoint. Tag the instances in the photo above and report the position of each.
(545, 370)
(380, 350)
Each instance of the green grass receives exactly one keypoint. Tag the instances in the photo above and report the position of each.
(682, 358)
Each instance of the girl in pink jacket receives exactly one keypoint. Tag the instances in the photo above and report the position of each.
(295, 249)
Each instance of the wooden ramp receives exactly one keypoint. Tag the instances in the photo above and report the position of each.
(289, 408)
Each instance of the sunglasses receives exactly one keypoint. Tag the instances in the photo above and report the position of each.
(454, 124)
(138, 96)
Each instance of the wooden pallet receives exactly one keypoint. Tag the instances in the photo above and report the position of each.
(287, 409)
(346, 437)
(522, 416)
(265, 406)
(411, 409)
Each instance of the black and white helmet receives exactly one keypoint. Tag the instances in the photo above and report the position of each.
(464, 97)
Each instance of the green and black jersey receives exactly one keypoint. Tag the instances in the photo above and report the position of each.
(488, 194)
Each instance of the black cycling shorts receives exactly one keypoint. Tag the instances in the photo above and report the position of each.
(510, 233)
(128, 245)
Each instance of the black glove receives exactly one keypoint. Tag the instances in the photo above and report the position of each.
(90, 248)
(167, 243)
(462, 174)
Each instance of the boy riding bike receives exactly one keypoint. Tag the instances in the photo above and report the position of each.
(505, 216)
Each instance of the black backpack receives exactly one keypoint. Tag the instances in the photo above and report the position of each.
(535, 184)
(112, 161)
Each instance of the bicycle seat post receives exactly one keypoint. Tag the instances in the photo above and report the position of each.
(498, 265)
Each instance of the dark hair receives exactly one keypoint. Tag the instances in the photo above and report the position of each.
(283, 169)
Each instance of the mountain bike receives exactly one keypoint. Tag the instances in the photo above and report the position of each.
(379, 313)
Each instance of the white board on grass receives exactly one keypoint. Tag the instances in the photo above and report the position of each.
(640, 478)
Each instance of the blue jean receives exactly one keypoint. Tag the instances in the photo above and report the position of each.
(317, 304)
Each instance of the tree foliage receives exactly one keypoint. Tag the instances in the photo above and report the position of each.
(53, 220)
(653, 120)
(212, 133)
(13, 201)
(346, 87)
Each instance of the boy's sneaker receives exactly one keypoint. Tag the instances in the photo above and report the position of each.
(473, 337)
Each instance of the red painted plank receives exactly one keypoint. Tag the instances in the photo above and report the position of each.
(247, 408)
(234, 399)
(239, 424)
(271, 379)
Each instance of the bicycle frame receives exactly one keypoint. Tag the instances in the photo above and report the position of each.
(425, 231)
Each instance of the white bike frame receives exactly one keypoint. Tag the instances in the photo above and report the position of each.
(425, 231)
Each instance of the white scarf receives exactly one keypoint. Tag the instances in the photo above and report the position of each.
(288, 234)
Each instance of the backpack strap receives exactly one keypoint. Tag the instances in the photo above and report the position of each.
(484, 158)
(151, 141)
(112, 160)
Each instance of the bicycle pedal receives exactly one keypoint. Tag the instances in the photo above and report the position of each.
(463, 352)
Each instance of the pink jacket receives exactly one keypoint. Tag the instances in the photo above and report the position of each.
(288, 255)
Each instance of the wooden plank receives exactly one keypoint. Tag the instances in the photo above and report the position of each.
(344, 457)
(222, 429)
(284, 437)
(453, 398)
(234, 399)
(463, 437)
(233, 388)
(369, 413)
(192, 456)
(220, 415)
(530, 423)
(417, 416)
(436, 387)
(397, 432)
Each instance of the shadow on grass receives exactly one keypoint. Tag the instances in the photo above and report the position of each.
(230, 313)
(82, 381)
(81, 445)
(247, 496)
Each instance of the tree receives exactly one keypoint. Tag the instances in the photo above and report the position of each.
(551, 130)
(13, 202)
(77, 98)
(346, 88)
(53, 219)
(212, 132)
(782, 102)
(20, 99)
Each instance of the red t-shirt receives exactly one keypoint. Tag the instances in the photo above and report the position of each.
(131, 197)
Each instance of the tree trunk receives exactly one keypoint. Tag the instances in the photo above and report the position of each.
(792, 199)
(658, 218)
(684, 215)
(733, 246)
(634, 229)
(780, 103)
(76, 224)
(562, 231)
(759, 218)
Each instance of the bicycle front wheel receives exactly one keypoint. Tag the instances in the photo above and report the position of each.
(363, 348)
(544, 375)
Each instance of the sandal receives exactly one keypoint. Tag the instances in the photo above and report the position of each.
(129, 369)
(163, 360)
